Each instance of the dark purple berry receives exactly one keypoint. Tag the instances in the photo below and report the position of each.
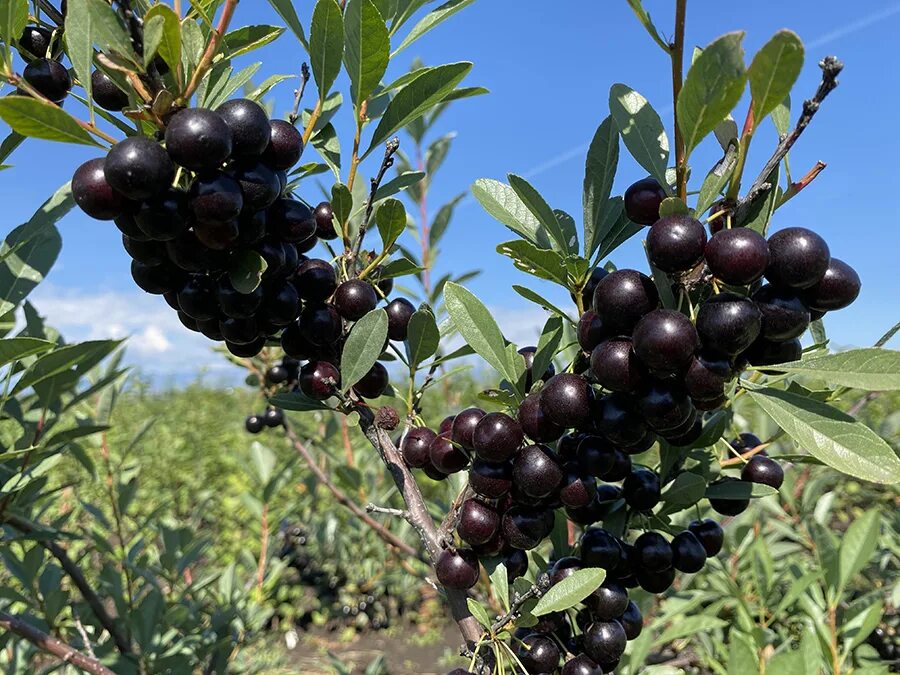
(763, 470)
(837, 289)
(524, 527)
(374, 383)
(285, 145)
(253, 424)
(259, 185)
(478, 522)
(106, 92)
(578, 488)
(784, 316)
(198, 139)
(489, 479)
(705, 378)
(641, 489)
(710, 535)
(538, 653)
(632, 621)
(320, 324)
(737, 256)
(653, 552)
(605, 641)
(354, 299)
(445, 456)
(399, 311)
(249, 125)
(315, 281)
(528, 356)
(49, 78)
(537, 472)
(457, 568)
(656, 582)
(798, 258)
(675, 243)
(608, 602)
(291, 220)
(728, 507)
(464, 425)
(139, 168)
(665, 405)
(728, 323)
(642, 201)
(600, 549)
(35, 42)
(324, 215)
(566, 400)
(536, 425)
(688, 554)
(93, 193)
(319, 380)
(163, 217)
(616, 367)
(415, 446)
(497, 437)
(665, 340)
(622, 298)
(767, 353)
(591, 331)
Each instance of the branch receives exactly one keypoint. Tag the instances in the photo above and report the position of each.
(298, 94)
(390, 148)
(831, 68)
(536, 591)
(676, 50)
(50, 645)
(797, 186)
(206, 60)
(52, 12)
(452, 518)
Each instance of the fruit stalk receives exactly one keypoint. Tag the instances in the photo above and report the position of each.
(677, 52)
(206, 60)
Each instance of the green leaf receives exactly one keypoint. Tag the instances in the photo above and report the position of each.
(503, 204)
(641, 129)
(15, 349)
(430, 21)
(441, 220)
(871, 369)
(537, 299)
(500, 584)
(246, 271)
(285, 9)
(860, 626)
(192, 43)
(644, 17)
(673, 206)
(479, 612)
(858, 545)
(570, 591)
(423, 337)
(687, 489)
(715, 181)
(616, 228)
(326, 143)
(62, 359)
(539, 262)
(416, 98)
(547, 346)
(541, 210)
(170, 38)
(831, 435)
(773, 72)
(742, 657)
(391, 220)
(367, 48)
(363, 347)
(399, 267)
(341, 202)
(248, 38)
(153, 35)
(781, 116)
(13, 18)
(297, 402)
(713, 86)
(398, 184)
(690, 625)
(739, 489)
(760, 212)
(39, 119)
(599, 172)
(405, 11)
(326, 44)
(477, 326)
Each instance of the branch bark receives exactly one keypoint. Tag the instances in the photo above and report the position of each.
(64, 652)
(206, 60)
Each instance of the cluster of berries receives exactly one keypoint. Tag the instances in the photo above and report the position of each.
(285, 373)
(885, 639)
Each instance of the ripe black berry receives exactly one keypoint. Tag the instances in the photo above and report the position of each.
(665, 340)
(591, 331)
(478, 522)
(147, 252)
(642, 200)
(253, 424)
(728, 507)
(291, 220)
(285, 145)
(605, 641)
(784, 316)
(463, 430)
(259, 184)
(581, 665)
(528, 356)
(252, 226)
(315, 281)
(622, 298)
(665, 405)
(710, 535)
(656, 582)
(600, 549)
(157, 279)
(238, 305)
(578, 488)
(632, 621)
(641, 489)
(49, 78)
(93, 193)
(564, 568)
(763, 470)
(163, 217)
(354, 299)
(210, 328)
(374, 383)
(318, 380)
(675, 243)
(566, 400)
(139, 168)
(705, 378)
(837, 289)
(728, 323)
(653, 552)
(767, 353)
(497, 437)
(215, 198)
(239, 331)
(608, 602)
(415, 445)
(722, 207)
(688, 554)
(280, 304)
(538, 653)
(587, 295)
(595, 455)
(320, 324)
(537, 425)
(324, 215)
(738, 256)
(457, 568)
(615, 416)
(616, 367)
(198, 139)
(106, 93)
(273, 417)
(198, 299)
(35, 42)
(445, 456)
(798, 258)
(399, 311)
(489, 479)
(524, 527)
(249, 127)
(277, 375)
(537, 472)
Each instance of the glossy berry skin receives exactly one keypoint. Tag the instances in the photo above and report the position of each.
(163, 217)
(710, 535)
(457, 568)
(675, 243)
(478, 522)
(239, 331)
(324, 216)
(587, 295)
(728, 323)
(837, 289)
(147, 252)
(496, 437)
(253, 424)
(622, 298)
(259, 184)
(608, 602)
(763, 470)
(632, 621)
(528, 356)
(105, 92)
(564, 568)
(578, 489)
(354, 299)
(198, 298)
(642, 200)
(462, 432)
(415, 445)
(641, 489)
(374, 383)
(767, 353)
(320, 324)
(537, 425)
(49, 78)
(798, 258)
(738, 256)
(616, 417)
(728, 507)
(537, 471)
(489, 479)
(139, 168)
(591, 331)
(215, 198)
(316, 281)
(538, 653)
(314, 380)
(581, 665)
(157, 279)
(688, 553)
(291, 220)
(600, 549)
(34, 42)
(273, 417)
(595, 455)
(566, 400)
(604, 641)
(238, 305)
(280, 305)
(198, 139)
(516, 562)
(399, 313)
(705, 378)
(285, 145)
(665, 406)
(784, 316)
(446, 457)
(249, 127)
(653, 552)
(524, 527)
(665, 340)
(656, 582)
(616, 367)
(277, 374)
(93, 194)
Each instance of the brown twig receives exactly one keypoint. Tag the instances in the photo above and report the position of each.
(206, 60)
(64, 652)
(452, 518)
(676, 49)
(797, 186)
(390, 148)
(298, 93)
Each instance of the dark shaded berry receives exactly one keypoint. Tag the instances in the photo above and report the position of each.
(139, 168)
(605, 641)
(215, 198)
(616, 367)
(315, 280)
(710, 535)
(688, 554)
(280, 305)
(564, 568)
(705, 378)
(641, 489)
(687, 435)
(608, 602)
(125, 221)
(497, 437)
(599, 548)
(210, 328)
(587, 295)
(591, 331)
(738, 256)
(767, 353)
(324, 216)
(615, 416)
(198, 299)
(599, 507)
(198, 139)
(537, 425)
(218, 236)
(566, 400)
(163, 217)
(784, 316)
(399, 312)
(643, 444)
(642, 200)
(291, 220)
(595, 455)
(746, 441)
(798, 258)
(478, 522)
(463, 430)
(249, 125)
(446, 424)
(273, 417)
(665, 340)
(537, 471)
(285, 145)
(524, 527)
(675, 243)
(157, 279)
(277, 374)
(253, 424)
(192, 255)
(457, 568)
(240, 331)
(489, 479)
(320, 324)
(538, 653)
(259, 185)
(445, 456)
(578, 489)
(581, 665)
(728, 507)
(147, 252)
(374, 383)
(34, 42)
(49, 78)
(632, 621)
(763, 470)
(656, 582)
(622, 298)
(722, 207)
(728, 323)
(528, 356)
(415, 445)
(354, 299)
(238, 305)
(665, 405)
(106, 92)
(516, 562)
(246, 351)
(567, 447)
(653, 552)
(318, 380)
(94, 195)
(837, 289)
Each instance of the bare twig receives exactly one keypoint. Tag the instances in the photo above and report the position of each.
(390, 148)
(51, 11)
(400, 513)
(536, 591)
(452, 518)
(85, 638)
(206, 60)
(797, 186)
(298, 93)
(64, 652)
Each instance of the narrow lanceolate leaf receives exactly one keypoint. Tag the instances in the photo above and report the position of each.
(423, 337)
(285, 9)
(831, 435)
(170, 39)
(502, 203)
(872, 369)
(774, 71)
(326, 143)
(367, 47)
(38, 119)
(539, 262)
(477, 326)
(398, 183)
(570, 591)
(13, 17)
(417, 98)
(430, 21)
(616, 228)
(858, 545)
(326, 44)
(548, 344)
(62, 359)
(541, 301)
(599, 172)
(363, 347)
(739, 489)
(541, 210)
(15, 349)
(715, 181)
(641, 129)
(248, 38)
(712, 88)
(479, 612)
(391, 221)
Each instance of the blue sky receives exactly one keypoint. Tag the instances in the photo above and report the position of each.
(549, 72)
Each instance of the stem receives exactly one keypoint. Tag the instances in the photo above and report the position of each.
(734, 187)
(64, 652)
(795, 188)
(354, 159)
(425, 226)
(313, 118)
(677, 52)
(52, 12)
(206, 60)
(832, 628)
(298, 94)
(263, 550)
(390, 148)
